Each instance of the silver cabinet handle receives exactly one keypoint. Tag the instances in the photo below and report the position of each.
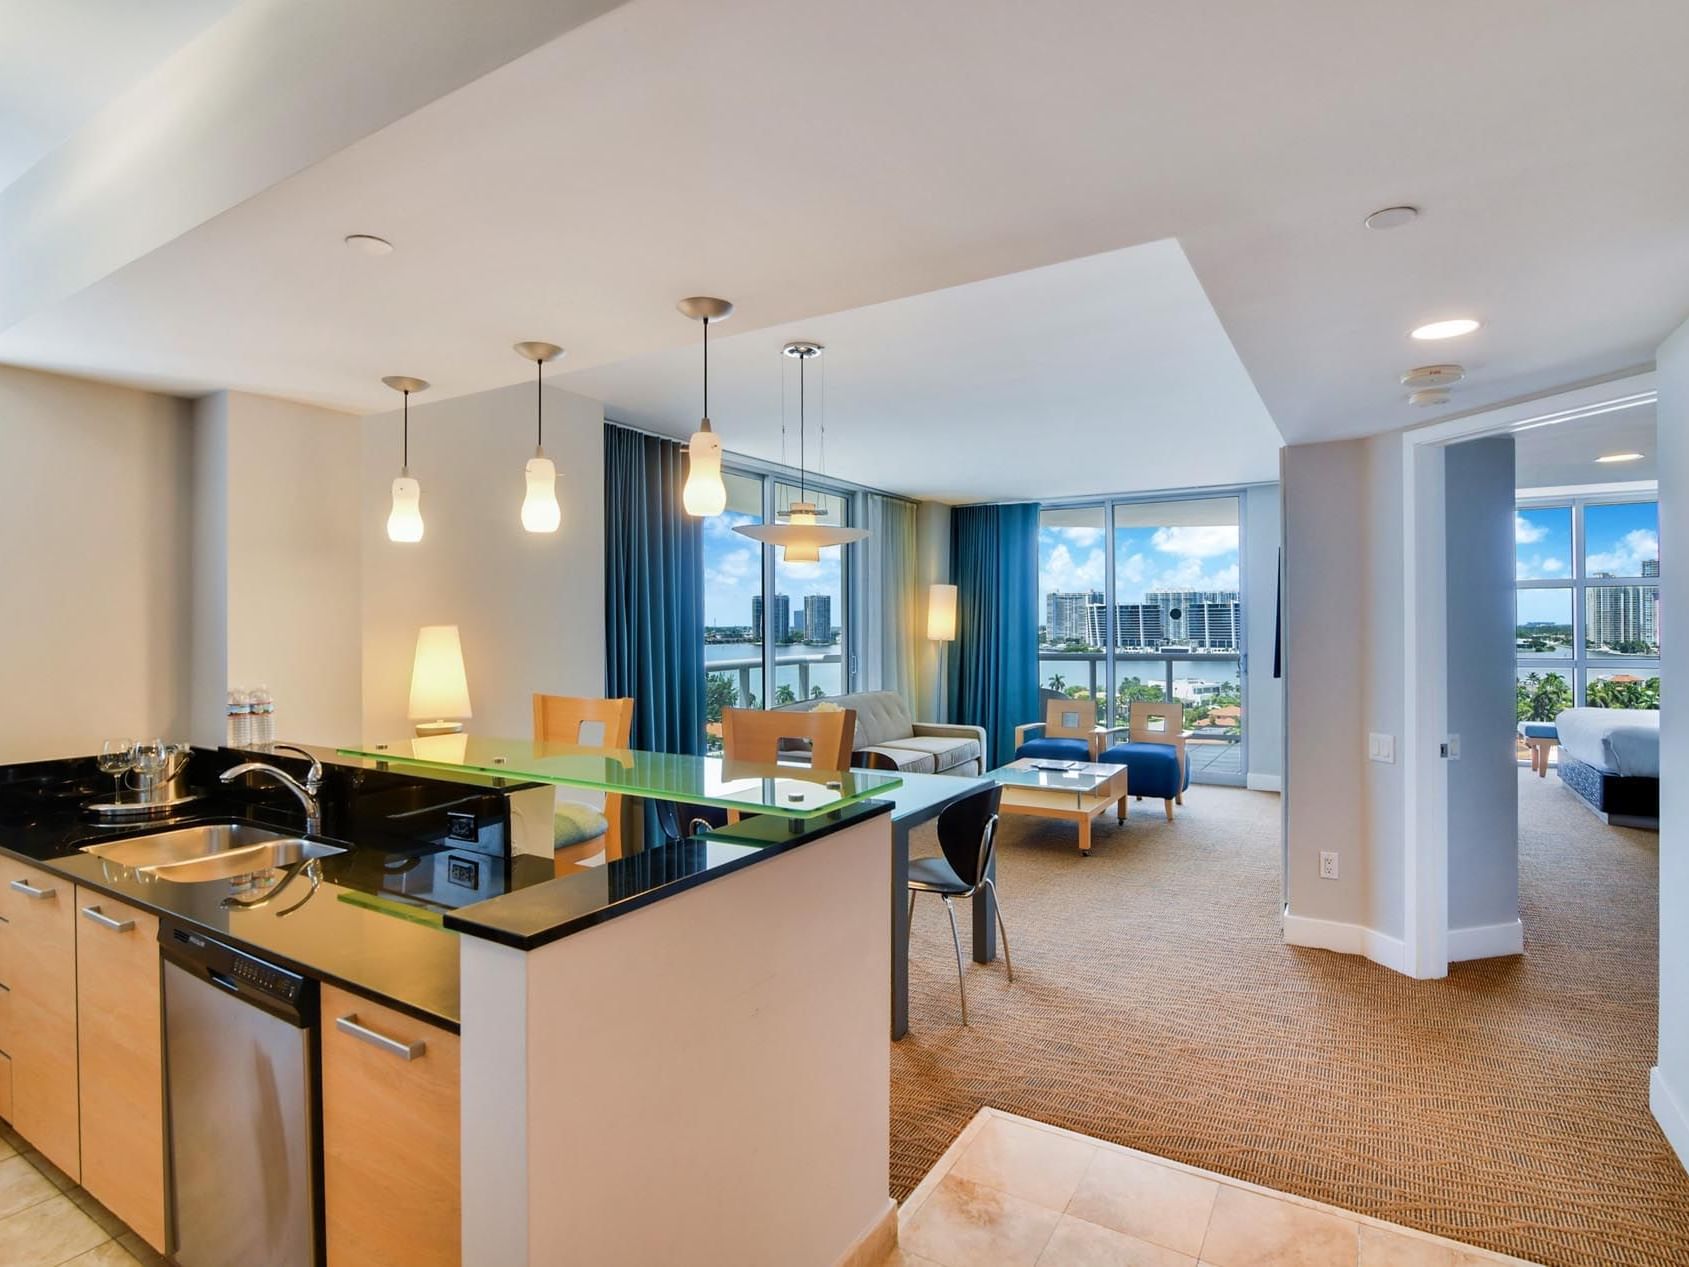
(105, 921)
(29, 890)
(404, 1051)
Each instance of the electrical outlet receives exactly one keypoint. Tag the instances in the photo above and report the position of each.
(1454, 747)
(1381, 748)
(1328, 864)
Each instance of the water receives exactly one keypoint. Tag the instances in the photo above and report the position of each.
(803, 680)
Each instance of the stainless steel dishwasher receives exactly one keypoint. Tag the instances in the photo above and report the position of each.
(240, 1056)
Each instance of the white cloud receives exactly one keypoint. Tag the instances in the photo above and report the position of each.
(1538, 568)
(1081, 536)
(1063, 574)
(1525, 532)
(1196, 542)
(730, 569)
(1132, 569)
(1553, 565)
(1188, 574)
(1625, 559)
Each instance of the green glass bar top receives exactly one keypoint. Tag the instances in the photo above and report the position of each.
(791, 791)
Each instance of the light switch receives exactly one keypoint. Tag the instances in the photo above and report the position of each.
(1381, 748)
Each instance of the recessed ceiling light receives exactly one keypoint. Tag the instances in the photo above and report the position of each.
(1392, 217)
(369, 244)
(1446, 329)
(1619, 457)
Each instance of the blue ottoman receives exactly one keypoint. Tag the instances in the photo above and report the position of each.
(1152, 769)
(1541, 737)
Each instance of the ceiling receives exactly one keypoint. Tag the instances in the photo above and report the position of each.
(1563, 454)
(808, 159)
(61, 60)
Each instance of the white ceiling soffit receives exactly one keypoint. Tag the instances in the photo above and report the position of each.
(1107, 374)
(1563, 454)
(804, 158)
(270, 89)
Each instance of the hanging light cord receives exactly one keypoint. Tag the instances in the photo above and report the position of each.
(706, 369)
(405, 461)
(539, 408)
(803, 488)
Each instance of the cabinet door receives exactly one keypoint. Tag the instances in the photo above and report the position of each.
(120, 1024)
(390, 1137)
(41, 958)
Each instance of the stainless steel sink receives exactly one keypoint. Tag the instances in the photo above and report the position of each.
(215, 851)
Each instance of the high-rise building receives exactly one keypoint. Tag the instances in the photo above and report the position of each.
(818, 618)
(1067, 617)
(1624, 618)
(1204, 620)
(1136, 625)
(782, 616)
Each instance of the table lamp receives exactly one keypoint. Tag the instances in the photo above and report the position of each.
(439, 686)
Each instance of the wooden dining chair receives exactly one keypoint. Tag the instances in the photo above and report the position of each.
(577, 832)
(756, 734)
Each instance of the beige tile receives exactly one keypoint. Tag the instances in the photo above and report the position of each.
(965, 1224)
(1154, 1203)
(21, 1186)
(143, 1253)
(47, 1233)
(109, 1223)
(900, 1257)
(57, 1177)
(1252, 1230)
(1028, 1162)
(1076, 1243)
(1382, 1247)
(111, 1254)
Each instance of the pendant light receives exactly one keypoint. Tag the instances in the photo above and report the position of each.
(540, 511)
(803, 536)
(705, 494)
(404, 521)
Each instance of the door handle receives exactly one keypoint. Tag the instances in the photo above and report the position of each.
(392, 1046)
(105, 921)
(29, 890)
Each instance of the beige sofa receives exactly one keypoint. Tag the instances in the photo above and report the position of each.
(884, 726)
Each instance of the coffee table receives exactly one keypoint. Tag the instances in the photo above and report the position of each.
(1077, 794)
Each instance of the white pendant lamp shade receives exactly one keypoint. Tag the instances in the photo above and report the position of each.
(540, 511)
(404, 521)
(705, 494)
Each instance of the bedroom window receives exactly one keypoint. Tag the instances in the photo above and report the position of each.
(1588, 594)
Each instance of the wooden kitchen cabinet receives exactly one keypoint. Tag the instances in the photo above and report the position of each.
(390, 1137)
(121, 1024)
(40, 958)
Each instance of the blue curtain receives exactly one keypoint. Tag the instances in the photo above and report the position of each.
(653, 592)
(994, 661)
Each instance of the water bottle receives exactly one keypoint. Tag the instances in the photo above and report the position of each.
(263, 717)
(240, 719)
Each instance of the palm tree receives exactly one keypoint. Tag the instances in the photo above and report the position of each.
(1058, 682)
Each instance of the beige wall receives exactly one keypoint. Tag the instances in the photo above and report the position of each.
(95, 524)
(530, 608)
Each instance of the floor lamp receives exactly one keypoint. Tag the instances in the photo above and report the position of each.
(941, 629)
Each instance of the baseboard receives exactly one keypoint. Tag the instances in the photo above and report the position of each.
(1264, 782)
(1486, 941)
(875, 1244)
(1348, 939)
(1668, 1112)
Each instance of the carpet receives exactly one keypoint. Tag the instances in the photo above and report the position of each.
(1156, 1005)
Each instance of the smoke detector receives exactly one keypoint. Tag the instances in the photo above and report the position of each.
(1429, 396)
(1433, 376)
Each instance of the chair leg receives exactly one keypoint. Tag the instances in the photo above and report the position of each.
(1120, 810)
(956, 937)
(909, 925)
(1002, 928)
(1169, 805)
(1180, 798)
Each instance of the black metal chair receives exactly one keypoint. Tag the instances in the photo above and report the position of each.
(967, 832)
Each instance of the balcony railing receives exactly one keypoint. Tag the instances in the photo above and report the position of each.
(742, 667)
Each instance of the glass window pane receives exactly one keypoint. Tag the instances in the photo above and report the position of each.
(1622, 540)
(1542, 543)
(1544, 690)
(1621, 620)
(1544, 629)
(1624, 688)
(1210, 691)
(1072, 560)
(809, 609)
(733, 615)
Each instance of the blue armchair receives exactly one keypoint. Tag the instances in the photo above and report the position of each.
(1063, 735)
(1153, 754)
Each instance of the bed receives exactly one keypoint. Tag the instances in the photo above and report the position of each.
(1610, 759)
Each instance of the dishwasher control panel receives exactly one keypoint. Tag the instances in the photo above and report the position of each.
(236, 972)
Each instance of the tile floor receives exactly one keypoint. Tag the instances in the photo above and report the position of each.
(47, 1221)
(1011, 1192)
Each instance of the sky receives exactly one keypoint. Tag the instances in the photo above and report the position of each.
(1072, 560)
(1618, 539)
(733, 574)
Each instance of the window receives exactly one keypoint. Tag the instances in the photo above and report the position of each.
(1587, 590)
(766, 620)
(1140, 600)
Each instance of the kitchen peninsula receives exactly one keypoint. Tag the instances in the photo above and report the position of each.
(508, 1059)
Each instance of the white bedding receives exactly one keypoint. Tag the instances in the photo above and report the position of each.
(1624, 741)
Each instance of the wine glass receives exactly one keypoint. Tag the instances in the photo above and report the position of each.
(116, 757)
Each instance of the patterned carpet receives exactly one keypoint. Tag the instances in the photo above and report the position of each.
(1156, 1005)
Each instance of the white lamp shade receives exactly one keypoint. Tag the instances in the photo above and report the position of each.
(540, 511)
(705, 493)
(941, 613)
(439, 686)
(404, 521)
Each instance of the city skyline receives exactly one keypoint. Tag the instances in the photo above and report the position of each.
(733, 576)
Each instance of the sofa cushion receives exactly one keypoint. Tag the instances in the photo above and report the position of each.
(1152, 769)
(880, 715)
(573, 823)
(1055, 749)
(1539, 730)
(907, 760)
(947, 751)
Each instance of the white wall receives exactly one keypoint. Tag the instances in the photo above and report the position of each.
(94, 517)
(531, 608)
(1263, 529)
(1670, 1091)
(276, 565)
